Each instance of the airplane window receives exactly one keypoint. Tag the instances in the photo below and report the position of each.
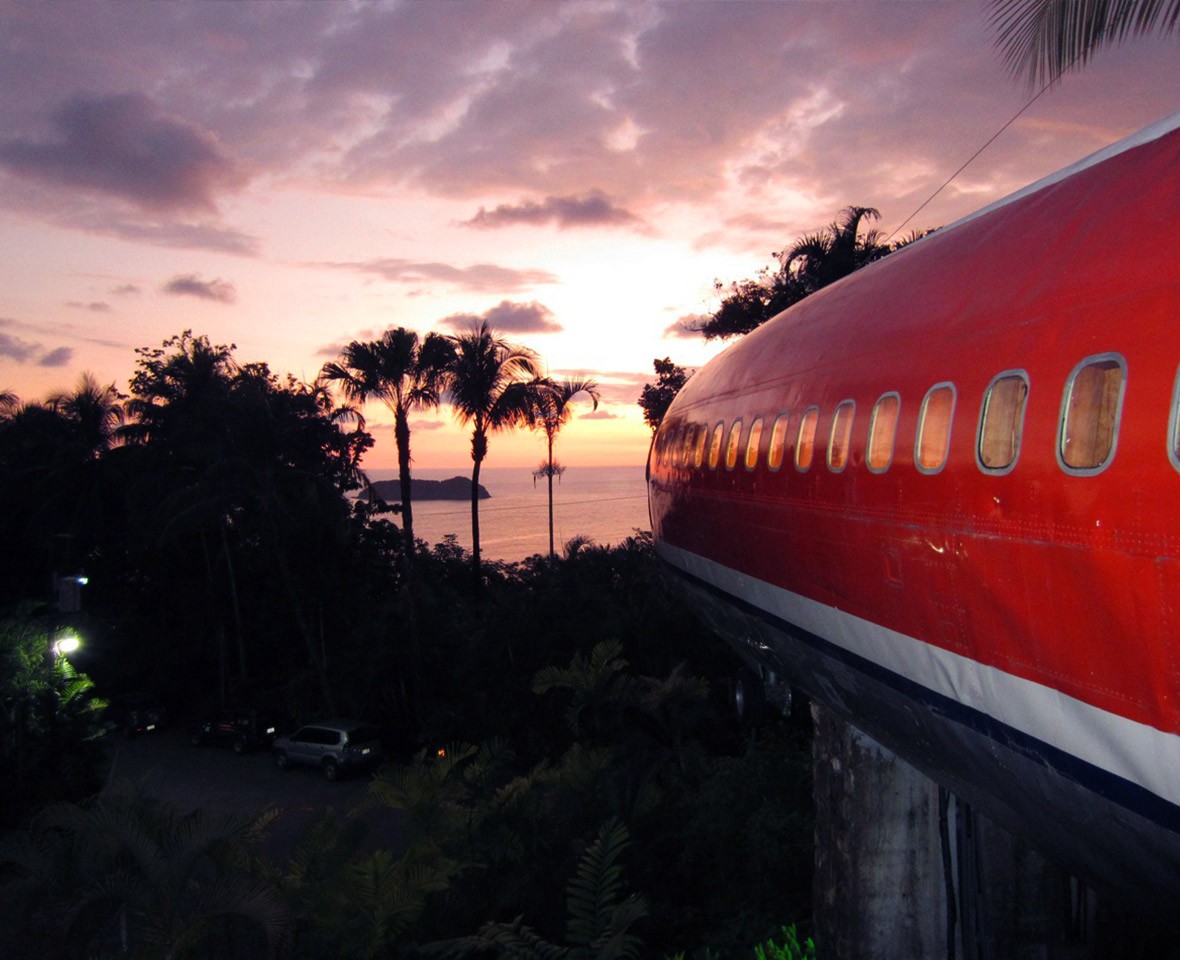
(841, 436)
(934, 428)
(1001, 422)
(1090, 413)
(753, 443)
(685, 448)
(731, 449)
(805, 447)
(661, 444)
(698, 456)
(778, 441)
(883, 432)
(1174, 425)
(715, 445)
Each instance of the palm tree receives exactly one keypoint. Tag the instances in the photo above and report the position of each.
(819, 259)
(9, 402)
(811, 262)
(1043, 38)
(128, 866)
(97, 412)
(405, 375)
(550, 413)
(488, 389)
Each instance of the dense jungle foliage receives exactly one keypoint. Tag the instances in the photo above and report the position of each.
(569, 778)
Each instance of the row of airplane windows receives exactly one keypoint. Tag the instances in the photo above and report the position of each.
(1087, 432)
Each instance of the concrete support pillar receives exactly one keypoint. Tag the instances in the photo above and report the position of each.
(881, 879)
(878, 889)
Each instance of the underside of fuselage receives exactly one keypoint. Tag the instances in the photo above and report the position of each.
(1120, 837)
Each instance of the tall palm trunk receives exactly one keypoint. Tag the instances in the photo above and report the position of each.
(402, 435)
(479, 449)
(549, 471)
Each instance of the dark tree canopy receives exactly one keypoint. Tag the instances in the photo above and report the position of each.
(810, 263)
(657, 398)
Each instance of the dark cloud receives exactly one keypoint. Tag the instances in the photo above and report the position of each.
(126, 290)
(531, 317)
(17, 349)
(22, 351)
(94, 307)
(507, 317)
(190, 285)
(125, 146)
(59, 357)
(593, 209)
(480, 277)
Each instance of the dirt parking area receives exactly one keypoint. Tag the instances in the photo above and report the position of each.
(192, 777)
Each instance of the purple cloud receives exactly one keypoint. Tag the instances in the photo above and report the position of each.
(508, 317)
(126, 290)
(600, 414)
(57, 358)
(190, 285)
(125, 146)
(94, 307)
(480, 277)
(593, 209)
(531, 317)
(17, 349)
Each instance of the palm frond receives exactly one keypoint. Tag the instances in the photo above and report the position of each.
(1042, 39)
(596, 918)
(513, 940)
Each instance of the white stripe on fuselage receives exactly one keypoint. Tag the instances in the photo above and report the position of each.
(1126, 748)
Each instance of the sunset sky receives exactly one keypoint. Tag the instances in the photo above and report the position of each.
(292, 176)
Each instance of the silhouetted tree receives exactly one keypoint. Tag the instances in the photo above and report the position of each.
(405, 374)
(550, 412)
(810, 263)
(489, 389)
(655, 399)
(96, 411)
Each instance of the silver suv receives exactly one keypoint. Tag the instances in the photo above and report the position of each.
(335, 746)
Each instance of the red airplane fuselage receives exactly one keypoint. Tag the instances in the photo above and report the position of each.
(943, 497)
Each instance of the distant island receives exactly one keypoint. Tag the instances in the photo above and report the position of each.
(457, 488)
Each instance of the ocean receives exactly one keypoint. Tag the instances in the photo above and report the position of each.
(606, 504)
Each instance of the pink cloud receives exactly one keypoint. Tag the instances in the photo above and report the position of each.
(190, 285)
(508, 317)
(593, 209)
(479, 277)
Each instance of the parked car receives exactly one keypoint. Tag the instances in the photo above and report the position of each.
(135, 713)
(337, 747)
(243, 728)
